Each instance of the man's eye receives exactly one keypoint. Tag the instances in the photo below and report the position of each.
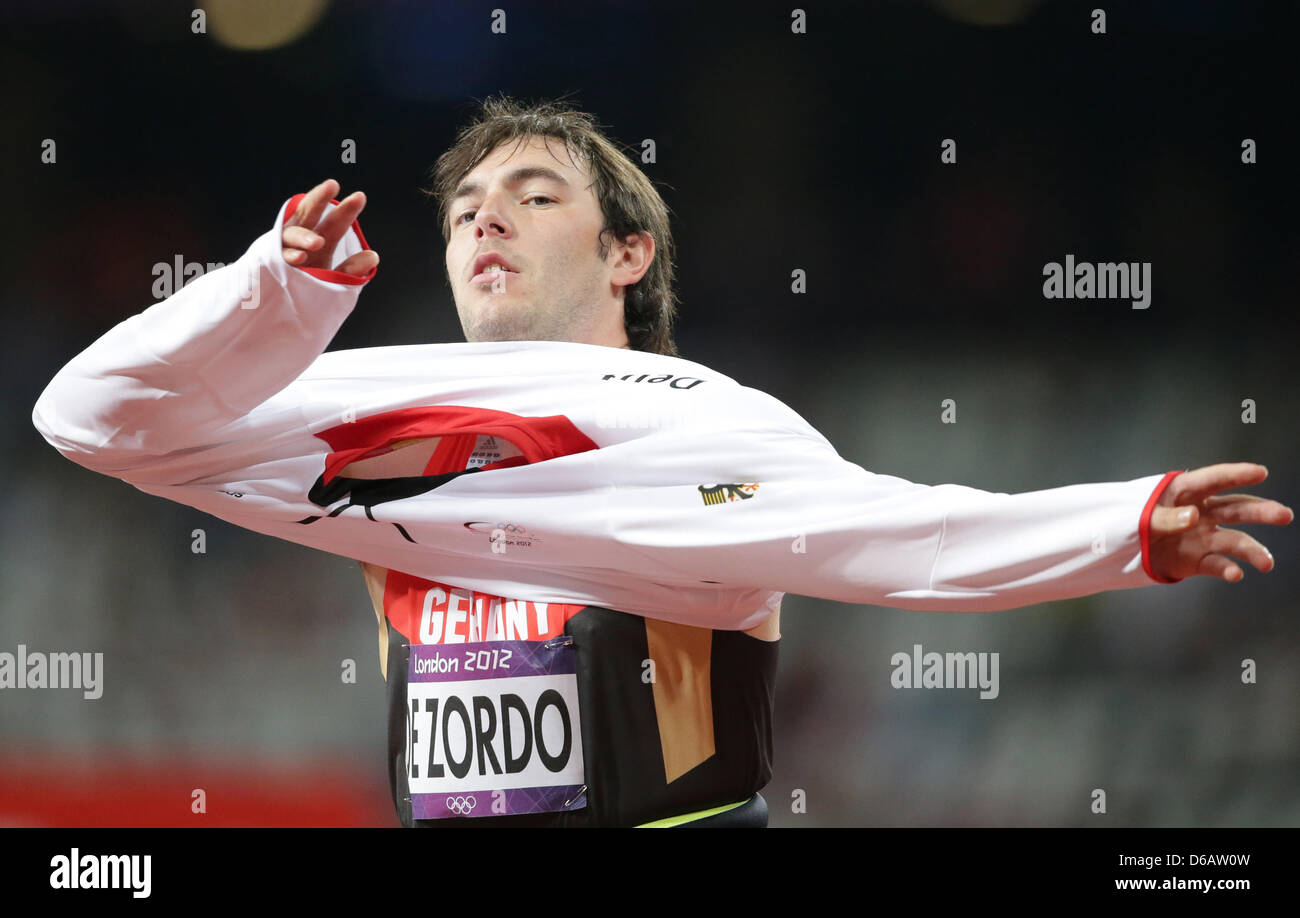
(545, 197)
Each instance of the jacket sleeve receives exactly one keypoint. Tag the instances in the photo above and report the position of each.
(174, 382)
(781, 510)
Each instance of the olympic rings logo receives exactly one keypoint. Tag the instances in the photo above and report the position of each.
(498, 531)
(462, 805)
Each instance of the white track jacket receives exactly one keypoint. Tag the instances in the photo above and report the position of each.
(645, 483)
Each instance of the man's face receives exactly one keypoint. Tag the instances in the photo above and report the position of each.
(533, 207)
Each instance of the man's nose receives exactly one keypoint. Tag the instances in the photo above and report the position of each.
(490, 221)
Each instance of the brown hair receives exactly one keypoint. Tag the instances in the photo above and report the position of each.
(628, 200)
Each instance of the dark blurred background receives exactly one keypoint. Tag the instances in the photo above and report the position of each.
(775, 151)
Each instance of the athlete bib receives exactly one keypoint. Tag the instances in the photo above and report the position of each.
(494, 729)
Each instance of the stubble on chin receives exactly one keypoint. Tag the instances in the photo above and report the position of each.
(511, 324)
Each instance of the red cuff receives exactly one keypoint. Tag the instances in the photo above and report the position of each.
(326, 274)
(1144, 525)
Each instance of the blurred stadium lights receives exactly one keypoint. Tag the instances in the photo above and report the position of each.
(257, 25)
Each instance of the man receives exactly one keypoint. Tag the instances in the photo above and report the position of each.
(576, 544)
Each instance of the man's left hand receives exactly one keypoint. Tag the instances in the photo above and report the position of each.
(1186, 537)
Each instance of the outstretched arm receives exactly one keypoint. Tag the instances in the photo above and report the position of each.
(1187, 537)
(820, 526)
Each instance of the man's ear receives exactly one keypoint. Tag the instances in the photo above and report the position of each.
(634, 255)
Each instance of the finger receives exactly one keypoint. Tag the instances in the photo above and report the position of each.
(297, 218)
(1221, 567)
(295, 256)
(360, 263)
(299, 237)
(1240, 545)
(1165, 520)
(310, 207)
(337, 221)
(1247, 508)
(1192, 487)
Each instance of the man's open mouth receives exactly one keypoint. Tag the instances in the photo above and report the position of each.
(492, 274)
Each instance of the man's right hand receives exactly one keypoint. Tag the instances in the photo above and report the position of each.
(309, 239)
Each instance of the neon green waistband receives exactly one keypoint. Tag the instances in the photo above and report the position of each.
(670, 821)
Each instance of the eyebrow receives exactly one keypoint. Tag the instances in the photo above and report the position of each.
(515, 177)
